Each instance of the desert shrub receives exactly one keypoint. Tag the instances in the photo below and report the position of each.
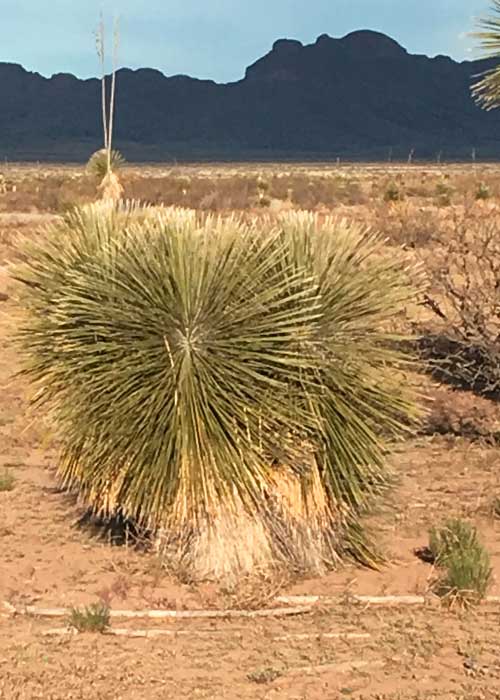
(407, 225)
(98, 163)
(220, 380)
(444, 193)
(262, 185)
(93, 618)
(7, 480)
(264, 675)
(263, 198)
(464, 296)
(482, 191)
(465, 562)
(393, 193)
(309, 193)
(452, 536)
(467, 577)
(495, 507)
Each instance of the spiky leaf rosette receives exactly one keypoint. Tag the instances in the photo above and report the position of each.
(362, 291)
(486, 90)
(230, 385)
(98, 163)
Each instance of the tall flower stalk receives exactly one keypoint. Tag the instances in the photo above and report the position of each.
(104, 162)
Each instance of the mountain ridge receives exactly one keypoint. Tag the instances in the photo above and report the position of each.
(356, 96)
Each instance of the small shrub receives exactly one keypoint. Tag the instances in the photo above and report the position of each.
(483, 191)
(264, 675)
(442, 188)
(444, 193)
(464, 295)
(184, 184)
(262, 185)
(262, 192)
(457, 550)
(94, 618)
(495, 507)
(454, 535)
(7, 481)
(393, 193)
(467, 577)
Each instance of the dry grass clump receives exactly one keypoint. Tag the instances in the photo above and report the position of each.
(238, 383)
(7, 480)
(483, 192)
(407, 224)
(452, 536)
(264, 675)
(94, 618)
(393, 193)
(465, 563)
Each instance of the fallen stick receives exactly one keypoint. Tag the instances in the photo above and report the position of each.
(117, 632)
(146, 634)
(346, 667)
(367, 599)
(165, 614)
(302, 605)
(323, 635)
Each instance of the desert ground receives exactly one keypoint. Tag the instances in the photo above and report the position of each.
(50, 557)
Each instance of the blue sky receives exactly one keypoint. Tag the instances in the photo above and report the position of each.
(218, 38)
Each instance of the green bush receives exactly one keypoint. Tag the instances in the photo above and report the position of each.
(444, 193)
(94, 618)
(467, 577)
(220, 381)
(483, 191)
(465, 563)
(393, 193)
(454, 535)
(7, 480)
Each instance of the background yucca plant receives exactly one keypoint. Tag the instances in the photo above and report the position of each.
(106, 161)
(232, 386)
(98, 163)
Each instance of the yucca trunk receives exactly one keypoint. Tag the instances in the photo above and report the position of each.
(231, 386)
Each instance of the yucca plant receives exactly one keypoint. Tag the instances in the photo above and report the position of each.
(98, 163)
(232, 386)
(106, 161)
(486, 90)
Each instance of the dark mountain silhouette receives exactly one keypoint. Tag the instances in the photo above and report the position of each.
(355, 97)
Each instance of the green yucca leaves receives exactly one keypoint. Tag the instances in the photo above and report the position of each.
(216, 379)
(487, 89)
(98, 162)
